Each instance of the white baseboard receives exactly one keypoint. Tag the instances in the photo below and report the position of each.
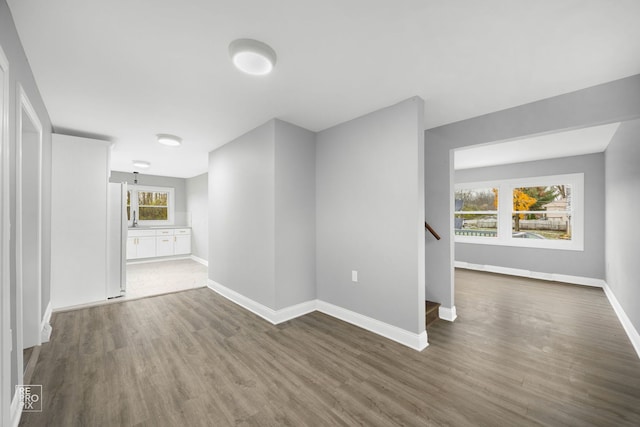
(16, 409)
(631, 331)
(200, 260)
(554, 277)
(45, 326)
(294, 311)
(273, 316)
(416, 341)
(158, 259)
(446, 313)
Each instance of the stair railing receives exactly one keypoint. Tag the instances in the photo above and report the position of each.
(431, 230)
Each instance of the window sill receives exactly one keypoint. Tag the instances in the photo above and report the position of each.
(523, 243)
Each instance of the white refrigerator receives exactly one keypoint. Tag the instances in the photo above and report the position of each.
(117, 240)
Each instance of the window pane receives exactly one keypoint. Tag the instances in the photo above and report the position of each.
(128, 205)
(477, 225)
(477, 199)
(476, 212)
(542, 212)
(153, 198)
(153, 213)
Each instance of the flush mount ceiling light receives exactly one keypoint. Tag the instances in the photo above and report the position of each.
(252, 57)
(170, 140)
(141, 164)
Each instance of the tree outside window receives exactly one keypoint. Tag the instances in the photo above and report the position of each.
(541, 212)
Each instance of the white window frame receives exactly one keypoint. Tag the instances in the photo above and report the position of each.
(134, 205)
(505, 206)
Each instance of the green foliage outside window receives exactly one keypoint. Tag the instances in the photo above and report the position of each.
(153, 205)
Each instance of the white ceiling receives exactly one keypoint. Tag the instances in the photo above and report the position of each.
(561, 144)
(131, 69)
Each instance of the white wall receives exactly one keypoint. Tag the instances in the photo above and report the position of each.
(295, 219)
(197, 204)
(622, 206)
(242, 215)
(79, 220)
(292, 213)
(262, 215)
(370, 215)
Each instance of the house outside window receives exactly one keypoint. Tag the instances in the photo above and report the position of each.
(543, 212)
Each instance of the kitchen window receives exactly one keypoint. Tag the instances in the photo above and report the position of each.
(541, 212)
(150, 205)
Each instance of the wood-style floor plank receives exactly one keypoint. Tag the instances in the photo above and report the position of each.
(522, 352)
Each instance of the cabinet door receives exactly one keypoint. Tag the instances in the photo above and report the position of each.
(132, 248)
(146, 247)
(164, 245)
(183, 245)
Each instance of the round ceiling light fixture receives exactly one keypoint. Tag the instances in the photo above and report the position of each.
(141, 164)
(170, 140)
(252, 56)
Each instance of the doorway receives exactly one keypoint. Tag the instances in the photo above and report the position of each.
(28, 228)
(156, 278)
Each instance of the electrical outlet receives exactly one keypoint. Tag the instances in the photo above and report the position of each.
(354, 276)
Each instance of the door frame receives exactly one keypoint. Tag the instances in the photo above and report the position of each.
(5, 234)
(24, 107)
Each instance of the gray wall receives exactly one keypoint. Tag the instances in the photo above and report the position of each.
(156, 181)
(622, 158)
(262, 215)
(20, 73)
(295, 207)
(370, 213)
(197, 195)
(242, 215)
(587, 263)
(607, 103)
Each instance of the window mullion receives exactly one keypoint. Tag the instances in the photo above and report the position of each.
(134, 204)
(505, 203)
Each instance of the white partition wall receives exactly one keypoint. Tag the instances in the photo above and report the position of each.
(293, 214)
(78, 220)
(370, 219)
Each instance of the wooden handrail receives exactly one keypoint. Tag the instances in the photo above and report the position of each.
(431, 230)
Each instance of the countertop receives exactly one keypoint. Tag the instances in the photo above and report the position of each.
(159, 227)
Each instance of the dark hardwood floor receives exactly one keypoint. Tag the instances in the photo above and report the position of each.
(522, 352)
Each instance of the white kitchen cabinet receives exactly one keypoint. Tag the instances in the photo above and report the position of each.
(182, 244)
(146, 247)
(150, 243)
(141, 244)
(132, 250)
(164, 246)
(165, 232)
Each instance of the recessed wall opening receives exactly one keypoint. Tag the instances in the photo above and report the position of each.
(531, 206)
